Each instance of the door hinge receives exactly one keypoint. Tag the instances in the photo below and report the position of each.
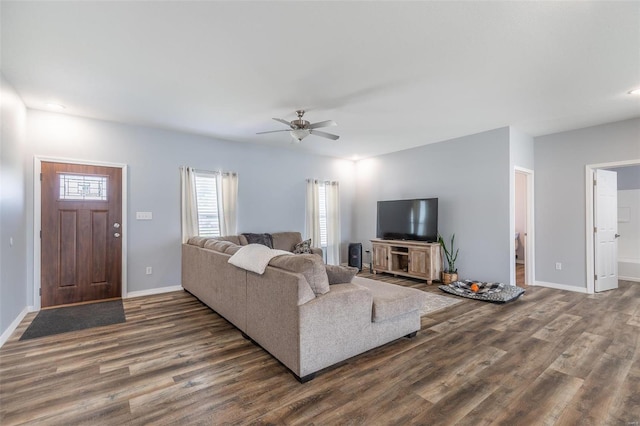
(41, 234)
(40, 177)
(595, 277)
(595, 182)
(40, 291)
(595, 229)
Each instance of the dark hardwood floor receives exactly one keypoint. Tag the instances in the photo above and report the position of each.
(552, 357)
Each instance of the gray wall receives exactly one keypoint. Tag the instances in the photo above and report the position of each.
(560, 161)
(13, 283)
(271, 183)
(521, 149)
(628, 177)
(469, 175)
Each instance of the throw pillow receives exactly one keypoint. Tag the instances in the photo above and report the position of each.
(340, 274)
(303, 247)
(264, 239)
(309, 265)
(255, 257)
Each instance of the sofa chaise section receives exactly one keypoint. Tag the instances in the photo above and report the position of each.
(279, 310)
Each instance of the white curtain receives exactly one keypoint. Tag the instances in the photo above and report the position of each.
(314, 211)
(312, 219)
(333, 222)
(227, 202)
(189, 208)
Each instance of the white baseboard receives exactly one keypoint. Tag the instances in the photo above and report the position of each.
(16, 322)
(153, 291)
(634, 279)
(562, 287)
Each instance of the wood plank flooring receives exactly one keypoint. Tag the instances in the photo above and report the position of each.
(552, 357)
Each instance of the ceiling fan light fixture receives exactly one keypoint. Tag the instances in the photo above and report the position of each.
(299, 134)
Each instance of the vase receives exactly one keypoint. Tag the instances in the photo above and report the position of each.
(449, 277)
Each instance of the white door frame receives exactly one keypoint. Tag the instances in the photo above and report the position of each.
(529, 241)
(590, 252)
(37, 219)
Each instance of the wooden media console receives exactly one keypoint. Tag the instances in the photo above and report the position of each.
(416, 259)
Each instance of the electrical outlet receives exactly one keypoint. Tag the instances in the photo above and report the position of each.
(558, 266)
(149, 270)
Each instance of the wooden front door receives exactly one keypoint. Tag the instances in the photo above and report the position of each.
(81, 256)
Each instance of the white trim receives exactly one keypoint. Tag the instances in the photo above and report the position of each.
(529, 249)
(561, 287)
(37, 211)
(153, 291)
(589, 172)
(634, 279)
(16, 322)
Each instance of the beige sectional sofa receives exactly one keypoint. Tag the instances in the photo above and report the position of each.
(293, 310)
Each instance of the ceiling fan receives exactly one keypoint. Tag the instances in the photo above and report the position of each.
(300, 129)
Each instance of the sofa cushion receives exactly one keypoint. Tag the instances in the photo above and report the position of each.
(198, 241)
(218, 245)
(340, 274)
(302, 247)
(390, 300)
(264, 239)
(286, 240)
(235, 239)
(254, 257)
(232, 249)
(309, 265)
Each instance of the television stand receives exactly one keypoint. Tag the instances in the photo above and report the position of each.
(415, 259)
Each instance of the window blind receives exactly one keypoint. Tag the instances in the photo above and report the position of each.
(207, 204)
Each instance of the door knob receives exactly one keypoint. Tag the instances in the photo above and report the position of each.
(617, 235)
(116, 225)
(117, 235)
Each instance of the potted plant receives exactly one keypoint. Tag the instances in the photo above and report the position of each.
(450, 272)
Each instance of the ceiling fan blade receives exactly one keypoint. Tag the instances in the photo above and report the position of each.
(273, 131)
(285, 122)
(324, 134)
(327, 123)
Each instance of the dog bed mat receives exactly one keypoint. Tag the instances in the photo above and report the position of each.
(488, 292)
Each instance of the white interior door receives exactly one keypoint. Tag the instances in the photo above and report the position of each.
(606, 230)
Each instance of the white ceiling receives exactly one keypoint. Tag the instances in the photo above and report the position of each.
(393, 75)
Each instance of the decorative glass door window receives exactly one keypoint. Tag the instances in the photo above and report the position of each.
(83, 187)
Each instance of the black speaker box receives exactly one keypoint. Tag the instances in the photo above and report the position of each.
(355, 255)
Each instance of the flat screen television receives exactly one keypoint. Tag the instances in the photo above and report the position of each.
(408, 220)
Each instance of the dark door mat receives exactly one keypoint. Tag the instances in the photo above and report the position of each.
(72, 318)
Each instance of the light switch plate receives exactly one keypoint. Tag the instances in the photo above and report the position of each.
(144, 215)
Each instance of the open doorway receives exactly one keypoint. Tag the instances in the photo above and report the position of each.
(523, 237)
(602, 239)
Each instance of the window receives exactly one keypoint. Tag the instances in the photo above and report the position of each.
(322, 222)
(207, 204)
(322, 206)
